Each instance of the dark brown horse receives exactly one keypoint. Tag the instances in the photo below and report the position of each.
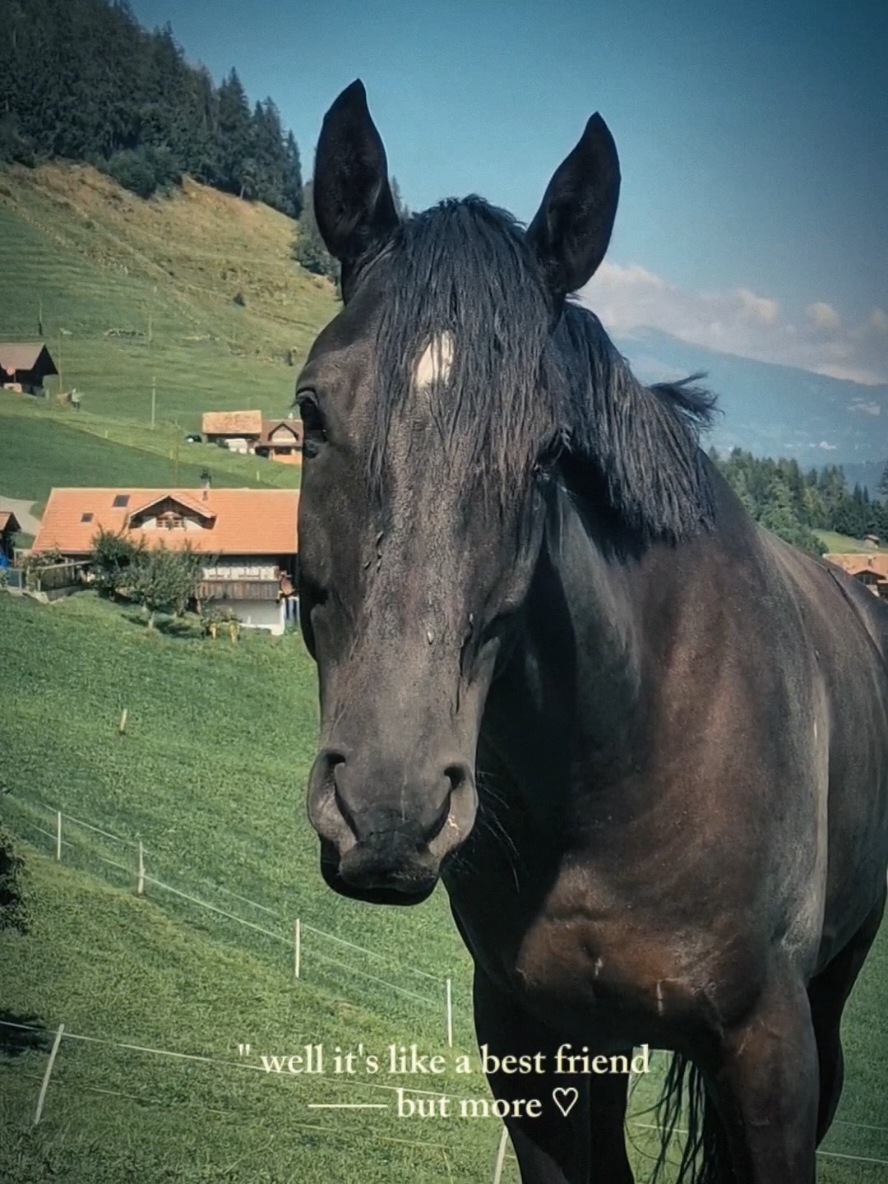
(643, 742)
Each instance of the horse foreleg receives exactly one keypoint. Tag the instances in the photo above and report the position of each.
(765, 1087)
(583, 1145)
(828, 992)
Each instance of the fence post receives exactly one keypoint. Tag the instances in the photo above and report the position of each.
(140, 885)
(46, 1075)
(297, 949)
(59, 835)
(449, 1014)
(500, 1156)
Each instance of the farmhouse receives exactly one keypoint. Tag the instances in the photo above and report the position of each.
(24, 365)
(247, 535)
(871, 570)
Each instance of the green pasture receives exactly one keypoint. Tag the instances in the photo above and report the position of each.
(209, 774)
(844, 544)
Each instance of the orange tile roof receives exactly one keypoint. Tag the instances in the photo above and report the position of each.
(857, 564)
(243, 522)
(232, 423)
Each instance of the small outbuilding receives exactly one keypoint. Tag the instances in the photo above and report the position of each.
(242, 429)
(24, 365)
(9, 528)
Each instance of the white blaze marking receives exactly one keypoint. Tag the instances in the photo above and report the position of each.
(659, 998)
(435, 361)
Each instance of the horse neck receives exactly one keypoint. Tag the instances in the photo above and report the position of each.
(572, 684)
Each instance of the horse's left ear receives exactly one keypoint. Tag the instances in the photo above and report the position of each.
(573, 225)
(353, 202)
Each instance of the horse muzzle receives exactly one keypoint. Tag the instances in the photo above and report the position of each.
(374, 850)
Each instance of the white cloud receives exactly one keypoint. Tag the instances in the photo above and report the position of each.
(758, 308)
(823, 316)
(742, 322)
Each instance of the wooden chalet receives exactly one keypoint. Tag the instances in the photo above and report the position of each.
(869, 569)
(24, 365)
(281, 440)
(249, 538)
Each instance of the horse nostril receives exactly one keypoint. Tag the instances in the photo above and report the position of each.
(457, 775)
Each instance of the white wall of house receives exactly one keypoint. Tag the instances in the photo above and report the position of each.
(241, 571)
(256, 614)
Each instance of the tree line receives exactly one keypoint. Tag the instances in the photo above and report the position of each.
(794, 504)
(82, 80)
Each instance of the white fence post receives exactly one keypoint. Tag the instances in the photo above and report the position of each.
(500, 1156)
(59, 835)
(140, 886)
(449, 1014)
(46, 1075)
(297, 949)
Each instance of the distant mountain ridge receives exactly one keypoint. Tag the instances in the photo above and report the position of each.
(773, 410)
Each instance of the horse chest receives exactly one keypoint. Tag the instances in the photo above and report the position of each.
(618, 974)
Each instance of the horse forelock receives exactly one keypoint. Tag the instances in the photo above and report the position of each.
(466, 324)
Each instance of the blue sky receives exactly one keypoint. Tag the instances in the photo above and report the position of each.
(753, 140)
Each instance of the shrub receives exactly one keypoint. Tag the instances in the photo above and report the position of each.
(144, 171)
(113, 559)
(164, 581)
(13, 908)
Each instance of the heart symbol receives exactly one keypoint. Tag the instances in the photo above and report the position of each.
(565, 1099)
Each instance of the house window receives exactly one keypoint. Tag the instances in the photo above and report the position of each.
(171, 520)
(121, 500)
(87, 517)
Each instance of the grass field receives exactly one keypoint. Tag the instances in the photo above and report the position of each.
(844, 544)
(210, 775)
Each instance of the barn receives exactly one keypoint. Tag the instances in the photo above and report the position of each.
(24, 365)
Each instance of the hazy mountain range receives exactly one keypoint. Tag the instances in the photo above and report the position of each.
(775, 410)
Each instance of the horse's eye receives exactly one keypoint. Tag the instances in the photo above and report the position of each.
(313, 427)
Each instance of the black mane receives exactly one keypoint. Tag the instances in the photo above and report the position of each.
(517, 393)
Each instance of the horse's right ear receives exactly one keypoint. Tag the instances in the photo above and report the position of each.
(573, 225)
(353, 202)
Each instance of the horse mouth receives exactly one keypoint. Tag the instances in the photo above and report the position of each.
(403, 890)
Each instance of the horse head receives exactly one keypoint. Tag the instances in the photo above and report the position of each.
(432, 408)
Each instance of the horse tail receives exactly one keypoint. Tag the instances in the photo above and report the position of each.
(704, 1157)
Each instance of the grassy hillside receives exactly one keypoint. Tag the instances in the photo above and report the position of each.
(210, 774)
(134, 297)
(844, 544)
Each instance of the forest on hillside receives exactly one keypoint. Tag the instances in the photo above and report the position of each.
(794, 504)
(82, 80)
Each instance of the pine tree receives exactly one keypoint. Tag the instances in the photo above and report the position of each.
(294, 197)
(309, 249)
(234, 134)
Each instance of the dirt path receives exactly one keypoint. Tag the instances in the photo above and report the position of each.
(22, 511)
